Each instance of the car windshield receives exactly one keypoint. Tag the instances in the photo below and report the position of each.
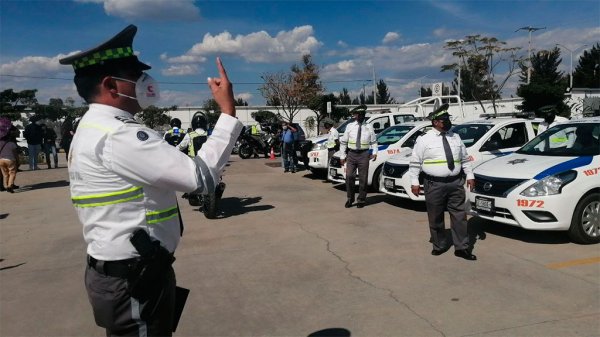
(471, 133)
(342, 128)
(393, 134)
(568, 140)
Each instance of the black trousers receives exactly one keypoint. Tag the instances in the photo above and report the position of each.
(120, 314)
(440, 196)
(354, 161)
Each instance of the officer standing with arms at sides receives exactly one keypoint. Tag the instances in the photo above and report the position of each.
(333, 139)
(442, 157)
(176, 134)
(123, 179)
(192, 142)
(356, 141)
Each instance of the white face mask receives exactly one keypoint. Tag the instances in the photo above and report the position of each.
(146, 90)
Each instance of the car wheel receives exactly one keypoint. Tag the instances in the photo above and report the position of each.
(245, 151)
(585, 226)
(209, 206)
(375, 181)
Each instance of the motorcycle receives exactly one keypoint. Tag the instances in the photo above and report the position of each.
(256, 145)
(208, 202)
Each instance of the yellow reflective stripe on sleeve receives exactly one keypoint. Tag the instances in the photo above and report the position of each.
(94, 126)
(162, 215)
(110, 198)
(437, 162)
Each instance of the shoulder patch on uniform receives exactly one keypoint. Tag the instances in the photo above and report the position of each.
(142, 135)
(126, 120)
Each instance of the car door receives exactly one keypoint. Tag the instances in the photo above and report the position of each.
(503, 141)
(380, 123)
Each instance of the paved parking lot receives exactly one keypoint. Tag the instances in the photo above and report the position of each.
(285, 258)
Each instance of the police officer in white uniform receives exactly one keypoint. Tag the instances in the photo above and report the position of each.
(442, 158)
(333, 137)
(358, 139)
(123, 178)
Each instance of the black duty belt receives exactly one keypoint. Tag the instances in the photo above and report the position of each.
(358, 151)
(120, 268)
(442, 179)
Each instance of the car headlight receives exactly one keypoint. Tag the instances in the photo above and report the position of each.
(550, 185)
(319, 146)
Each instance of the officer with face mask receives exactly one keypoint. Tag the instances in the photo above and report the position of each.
(123, 179)
(441, 158)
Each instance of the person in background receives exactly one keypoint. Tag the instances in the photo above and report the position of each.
(287, 151)
(356, 144)
(333, 137)
(66, 136)
(35, 137)
(9, 157)
(442, 157)
(50, 145)
(176, 134)
(192, 142)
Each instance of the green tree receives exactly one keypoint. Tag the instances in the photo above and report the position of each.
(288, 91)
(344, 97)
(240, 102)
(383, 94)
(12, 103)
(265, 117)
(211, 110)
(546, 85)
(587, 72)
(154, 117)
(479, 60)
(319, 106)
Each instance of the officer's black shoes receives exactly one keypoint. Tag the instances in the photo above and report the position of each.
(348, 203)
(360, 204)
(293, 170)
(465, 254)
(286, 170)
(437, 252)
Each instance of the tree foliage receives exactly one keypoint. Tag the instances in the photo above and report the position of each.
(344, 97)
(383, 94)
(12, 103)
(546, 84)
(289, 91)
(265, 117)
(240, 102)
(587, 72)
(154, 117)
(480, 58)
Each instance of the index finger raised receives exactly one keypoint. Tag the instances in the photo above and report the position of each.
(221, 69)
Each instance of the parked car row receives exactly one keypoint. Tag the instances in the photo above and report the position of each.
(548, 181)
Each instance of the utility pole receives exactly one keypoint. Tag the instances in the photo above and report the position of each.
(530, 29)
(571, 69)
(374, 87)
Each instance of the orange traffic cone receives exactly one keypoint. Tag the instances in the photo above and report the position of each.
(272, 156)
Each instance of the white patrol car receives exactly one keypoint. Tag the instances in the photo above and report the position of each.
(391, 141)
(551, 183)
(318, 157)
(485, 139)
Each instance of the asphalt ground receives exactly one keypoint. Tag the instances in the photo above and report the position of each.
(285, 258)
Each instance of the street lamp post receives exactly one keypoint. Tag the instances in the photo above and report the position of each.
(571, 68)
(530, 29)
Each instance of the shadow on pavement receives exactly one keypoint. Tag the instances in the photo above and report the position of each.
(47, 184)
(480, 227)
(3, 216)
(233, 206)
(13, 266)
(332, 332)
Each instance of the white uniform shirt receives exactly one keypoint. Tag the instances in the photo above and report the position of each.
(367, 138)
(543, 126)
(428, 156)
(123, 176)
(186, 139)
(333, 135)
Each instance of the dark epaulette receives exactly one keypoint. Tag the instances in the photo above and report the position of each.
(126, 120)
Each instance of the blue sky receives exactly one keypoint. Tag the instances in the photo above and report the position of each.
(400, 40)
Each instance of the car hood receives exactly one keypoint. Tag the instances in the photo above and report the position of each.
(318, 139)
(522, 166)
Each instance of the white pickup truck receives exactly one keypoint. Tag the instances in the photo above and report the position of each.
(485, 139)
(551, 183)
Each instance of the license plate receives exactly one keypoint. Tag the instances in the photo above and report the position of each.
(313, 154)
(332, 172)
(388, 183)
(484, 204)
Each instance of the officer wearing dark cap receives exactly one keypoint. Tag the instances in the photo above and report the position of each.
(123, 178)
(359, 145)
(333, 137)
(442, 158)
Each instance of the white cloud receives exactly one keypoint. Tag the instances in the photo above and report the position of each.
(390, 37)
(342, 44)
(257, 47)
(35, 66)
(163, 10)
(246, 96)
(180, 70)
